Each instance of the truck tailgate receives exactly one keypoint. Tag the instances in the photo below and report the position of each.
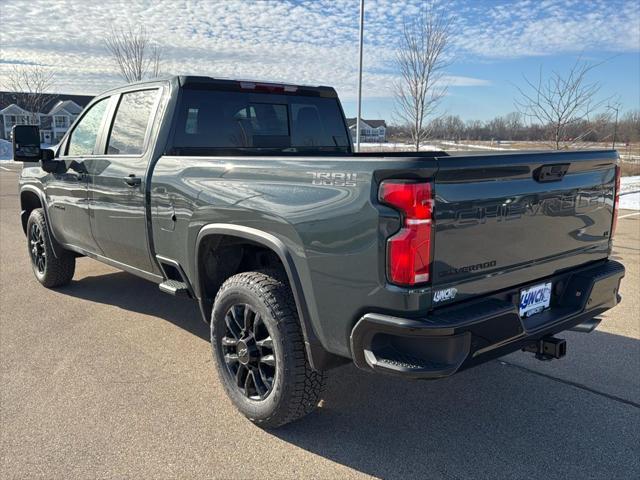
(505, 220)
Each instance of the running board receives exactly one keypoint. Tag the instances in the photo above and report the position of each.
(174, 287)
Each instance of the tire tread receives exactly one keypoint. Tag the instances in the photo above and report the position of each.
(307, 384)
(59, 270)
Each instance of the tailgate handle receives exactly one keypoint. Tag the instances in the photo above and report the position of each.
(550, 173)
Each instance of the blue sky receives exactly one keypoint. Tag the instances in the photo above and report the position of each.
(619, 77)
(496, 42)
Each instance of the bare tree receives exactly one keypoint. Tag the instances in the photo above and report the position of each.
(629, 126)
(29, 84)
(513, 125)
(561, 103)
(600, 128)
(135, 55)
(421, 59)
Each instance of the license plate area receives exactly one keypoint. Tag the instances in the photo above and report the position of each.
(534, 299)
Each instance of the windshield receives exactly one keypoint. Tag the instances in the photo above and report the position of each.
(221, 122)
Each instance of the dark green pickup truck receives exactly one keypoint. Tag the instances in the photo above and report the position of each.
(303, 255)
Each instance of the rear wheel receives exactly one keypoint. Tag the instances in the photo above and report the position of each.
(259, 350)
(51, 271)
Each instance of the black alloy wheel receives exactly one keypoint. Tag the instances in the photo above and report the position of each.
(248, 352)
(51, 267)
(259, 349)
(37, 248)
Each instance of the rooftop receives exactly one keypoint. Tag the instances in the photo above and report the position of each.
(372, 123)
(52, 99)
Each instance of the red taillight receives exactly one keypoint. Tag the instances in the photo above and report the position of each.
(409, 250)
(616, 203)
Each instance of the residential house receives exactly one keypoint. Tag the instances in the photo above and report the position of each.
(60, 118)
(374, 131)
(12, 115)
(58, 113)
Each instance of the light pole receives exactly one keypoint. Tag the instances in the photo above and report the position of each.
(615, 108)
(360, 77)
(615, 129)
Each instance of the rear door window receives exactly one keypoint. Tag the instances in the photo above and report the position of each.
(131, 122)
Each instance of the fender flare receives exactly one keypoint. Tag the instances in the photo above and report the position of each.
(52, 240)
(318, 357)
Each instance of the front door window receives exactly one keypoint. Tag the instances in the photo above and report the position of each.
(85, 135)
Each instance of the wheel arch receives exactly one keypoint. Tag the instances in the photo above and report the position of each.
(319, 358)
(30, 199)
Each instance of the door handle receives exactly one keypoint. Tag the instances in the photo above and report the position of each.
(133, 181)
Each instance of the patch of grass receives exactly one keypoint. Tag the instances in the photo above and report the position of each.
(628, 169)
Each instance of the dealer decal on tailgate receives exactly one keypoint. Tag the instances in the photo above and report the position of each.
(535, 299)
(446, 294)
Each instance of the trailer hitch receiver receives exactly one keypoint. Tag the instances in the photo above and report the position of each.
(548, 348)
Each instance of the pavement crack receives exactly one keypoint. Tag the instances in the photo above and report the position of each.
(574, 384)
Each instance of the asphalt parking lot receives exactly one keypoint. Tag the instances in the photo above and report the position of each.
(110, 378)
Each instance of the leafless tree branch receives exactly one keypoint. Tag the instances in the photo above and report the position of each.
(421, 60)
(29, 85)
(134, 54)
(560, 102)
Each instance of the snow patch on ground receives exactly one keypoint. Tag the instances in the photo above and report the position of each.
(630, 158)
(472, 145)
(398, 147)
(6, 150)
(630, 193)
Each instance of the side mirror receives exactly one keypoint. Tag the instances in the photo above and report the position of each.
(47, 154)
(26, 143)
(49, 164)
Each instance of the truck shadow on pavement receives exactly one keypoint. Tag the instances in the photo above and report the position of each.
(494, 421)
(131, 293)
(517, 419)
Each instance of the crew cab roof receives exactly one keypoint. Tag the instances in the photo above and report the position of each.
(192, 81)
(195, 81)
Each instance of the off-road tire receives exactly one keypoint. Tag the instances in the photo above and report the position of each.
(51, 271)
(296, 387)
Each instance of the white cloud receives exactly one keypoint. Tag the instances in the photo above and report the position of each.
(531, 28)
(308, 41)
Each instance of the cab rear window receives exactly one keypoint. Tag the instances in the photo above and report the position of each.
(220, 122)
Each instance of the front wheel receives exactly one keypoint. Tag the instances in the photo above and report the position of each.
(51, 271)
(259, 350)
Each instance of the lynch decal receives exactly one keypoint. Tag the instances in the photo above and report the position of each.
(446, 294)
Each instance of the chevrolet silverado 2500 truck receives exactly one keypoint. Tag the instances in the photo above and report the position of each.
(248, 198)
